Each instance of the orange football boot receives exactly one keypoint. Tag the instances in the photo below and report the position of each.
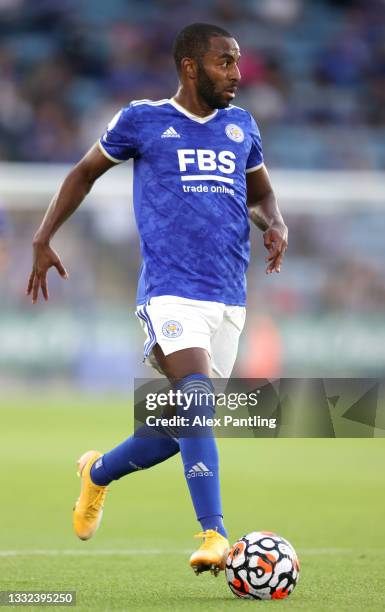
(88, 510)
(212, 553)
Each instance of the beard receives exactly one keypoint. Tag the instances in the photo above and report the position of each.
(207, 90)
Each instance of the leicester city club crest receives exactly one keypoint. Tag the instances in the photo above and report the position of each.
(172, 329)
(234, 132)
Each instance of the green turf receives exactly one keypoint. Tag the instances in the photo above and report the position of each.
(326, 496)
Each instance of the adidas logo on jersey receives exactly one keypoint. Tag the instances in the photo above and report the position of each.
(199, 469)
(170, 133)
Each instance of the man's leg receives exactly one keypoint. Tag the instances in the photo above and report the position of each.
(144, 450)
(224, 343)
(140, 451)
(189, 370)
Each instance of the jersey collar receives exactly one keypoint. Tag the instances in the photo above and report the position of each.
(191, 116)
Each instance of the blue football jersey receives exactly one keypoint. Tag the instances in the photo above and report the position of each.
(189, 196)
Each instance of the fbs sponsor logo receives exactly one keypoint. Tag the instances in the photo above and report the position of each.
(170, 133)
(199, 470)
(207, 160)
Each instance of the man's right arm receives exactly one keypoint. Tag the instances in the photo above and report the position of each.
(72, 192)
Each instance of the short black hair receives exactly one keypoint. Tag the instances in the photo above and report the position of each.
(193, 41)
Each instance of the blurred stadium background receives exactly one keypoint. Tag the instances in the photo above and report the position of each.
(314, 78)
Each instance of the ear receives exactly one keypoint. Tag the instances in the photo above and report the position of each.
(189, 68)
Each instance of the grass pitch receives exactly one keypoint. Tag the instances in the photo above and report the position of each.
(327, 497)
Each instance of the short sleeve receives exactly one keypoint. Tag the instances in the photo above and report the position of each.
(255, 159)
(119, 142)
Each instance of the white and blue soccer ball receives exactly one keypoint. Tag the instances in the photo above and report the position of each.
(262, 565)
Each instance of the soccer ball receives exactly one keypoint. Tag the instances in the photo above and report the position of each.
(262, 565)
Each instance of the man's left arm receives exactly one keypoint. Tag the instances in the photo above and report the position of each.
(265, 214)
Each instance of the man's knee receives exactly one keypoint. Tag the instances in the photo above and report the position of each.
(183, 363)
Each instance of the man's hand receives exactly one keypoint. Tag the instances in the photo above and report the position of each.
(265, 214)
(275, 240)
(72, 192)
(43, 258)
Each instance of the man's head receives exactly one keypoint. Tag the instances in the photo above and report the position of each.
(207, 56)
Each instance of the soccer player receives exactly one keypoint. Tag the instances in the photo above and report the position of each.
(199, 176)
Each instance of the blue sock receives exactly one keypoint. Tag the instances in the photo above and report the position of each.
(199, 453)
(213, 522)
(136, 453)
